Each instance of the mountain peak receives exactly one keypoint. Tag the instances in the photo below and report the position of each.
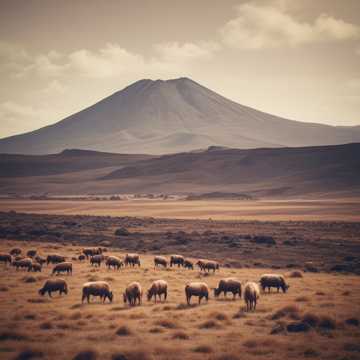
(174, 115)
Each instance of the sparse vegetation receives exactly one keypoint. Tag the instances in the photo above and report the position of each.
(219, 330)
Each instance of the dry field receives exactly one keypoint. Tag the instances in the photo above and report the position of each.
(33, 327)
(263, 210)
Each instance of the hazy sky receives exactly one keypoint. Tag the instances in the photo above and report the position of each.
(296, 58)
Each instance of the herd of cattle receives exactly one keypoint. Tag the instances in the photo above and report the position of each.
(133, 292)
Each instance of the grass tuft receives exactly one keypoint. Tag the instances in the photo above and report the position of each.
(123, 331)
(181, 335)
(204, 349)
(86, 355)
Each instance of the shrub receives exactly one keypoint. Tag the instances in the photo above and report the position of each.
(166, 324)
(123, 331)
(38, 300)
(298, 326)
(122, 232)
(352, 321)
(181, 335)
(156, 330)
(219, 316)
(302, 299)
(12, 335)
(86, 355)
(132, 355)
(46, 325)
(251, 344)
(291, 311)
(205, 349)
(278, 329)
(296, 274)
(311, 353)
(353, 347)
(209, 324)
(29, 354)
(239, 315)
(263, 239)
(328, 323)
(311, 319)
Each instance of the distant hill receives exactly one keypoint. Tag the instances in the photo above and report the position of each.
(160, 117)
(67, 161)
(269, 172)
(328, 171)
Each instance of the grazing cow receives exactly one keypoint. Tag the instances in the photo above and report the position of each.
(62, 267)
(188, 264)
(199, 289)
(55, 259)
(5, 258)
(132, 293)
(251, 295)
(40, 259)
(25, 263)
(15, 251)
(160, 261)
(54, 285)
(207, 265)
(88, 252)
(81, 257)
(228, 285)
(132, 260)
(35, 267)
(97, 288)
(96, 260)
(157, 288)
(114, 262)
(176, 260)
(273, 280)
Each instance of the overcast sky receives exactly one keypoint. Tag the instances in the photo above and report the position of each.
(299, 59)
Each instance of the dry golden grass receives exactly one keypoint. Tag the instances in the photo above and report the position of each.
(37, 327)
(264, 210)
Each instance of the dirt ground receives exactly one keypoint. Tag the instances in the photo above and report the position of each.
(262, 210)
(32, 326)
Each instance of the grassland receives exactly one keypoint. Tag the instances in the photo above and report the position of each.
(262, 210)
(62, 327)
(326, 296)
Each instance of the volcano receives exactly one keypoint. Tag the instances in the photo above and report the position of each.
(170, 116)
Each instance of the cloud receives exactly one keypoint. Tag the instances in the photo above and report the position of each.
(176, 52)
(257, 27)
(19, 118)
(55, 87)
(107, 62)
(112, 60)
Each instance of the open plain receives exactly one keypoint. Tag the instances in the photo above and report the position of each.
(347, 209)
(317, 318)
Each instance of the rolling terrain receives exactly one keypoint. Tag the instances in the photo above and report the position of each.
(158, 117)
(315, 172)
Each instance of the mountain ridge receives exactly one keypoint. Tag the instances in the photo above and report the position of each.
(286, 172)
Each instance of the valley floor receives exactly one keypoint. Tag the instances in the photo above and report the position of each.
(264, 210)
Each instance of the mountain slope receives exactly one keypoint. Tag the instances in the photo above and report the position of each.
(170, 116)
